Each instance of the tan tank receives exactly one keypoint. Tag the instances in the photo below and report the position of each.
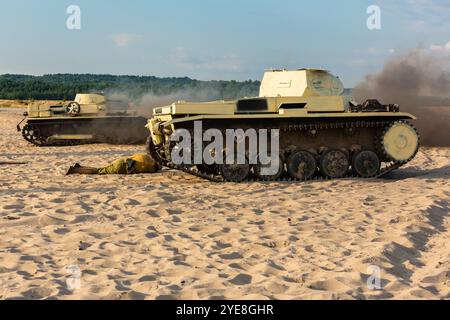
(322, 132)
(89, 118)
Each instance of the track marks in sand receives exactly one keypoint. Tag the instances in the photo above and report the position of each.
(407, 260)
(172, 236)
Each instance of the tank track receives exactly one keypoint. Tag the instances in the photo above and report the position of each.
(217, 178)
(30, 135)
(41, 141)
(71, 143)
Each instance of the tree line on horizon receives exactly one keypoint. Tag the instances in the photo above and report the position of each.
(66, 86)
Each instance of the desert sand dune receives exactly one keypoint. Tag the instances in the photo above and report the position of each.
(173, 236)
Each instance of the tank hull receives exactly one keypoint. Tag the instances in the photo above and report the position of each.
(80, 130)
(347, 136)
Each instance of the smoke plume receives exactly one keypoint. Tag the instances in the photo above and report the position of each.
(420, 82)
(144, 104)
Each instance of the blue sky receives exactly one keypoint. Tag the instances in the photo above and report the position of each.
(214, 39)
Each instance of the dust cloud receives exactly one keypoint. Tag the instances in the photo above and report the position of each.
(419, 81)
(143, 104)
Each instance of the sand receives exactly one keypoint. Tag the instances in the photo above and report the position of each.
(173, 236)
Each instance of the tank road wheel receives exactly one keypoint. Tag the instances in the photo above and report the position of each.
(400, 142)
(334, 163)
(301, 165)
(32, 134)
(235, 172)
(366, 164)
(208, 169)
(73, 108)
(267, 174)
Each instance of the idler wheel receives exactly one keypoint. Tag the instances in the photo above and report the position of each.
(271, 171)
(301, 165)
(366, 164)
(334, 163)
(235, 172)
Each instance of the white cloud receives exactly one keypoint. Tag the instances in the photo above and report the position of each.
(440, 47)
(417, 24)
(124, 39)
(182, 58)
(419, 15)
(380, 51)
(435, 47)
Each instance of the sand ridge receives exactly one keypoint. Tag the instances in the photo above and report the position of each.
(173, 236)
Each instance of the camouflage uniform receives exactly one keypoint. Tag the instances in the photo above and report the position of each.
(136, 164)
(116, 167)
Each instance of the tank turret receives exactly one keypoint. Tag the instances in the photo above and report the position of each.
(300, 83)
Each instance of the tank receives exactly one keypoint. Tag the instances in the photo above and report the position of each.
(322, 133)
(89, 118)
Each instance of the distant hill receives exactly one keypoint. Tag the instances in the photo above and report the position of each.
(65, 87)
